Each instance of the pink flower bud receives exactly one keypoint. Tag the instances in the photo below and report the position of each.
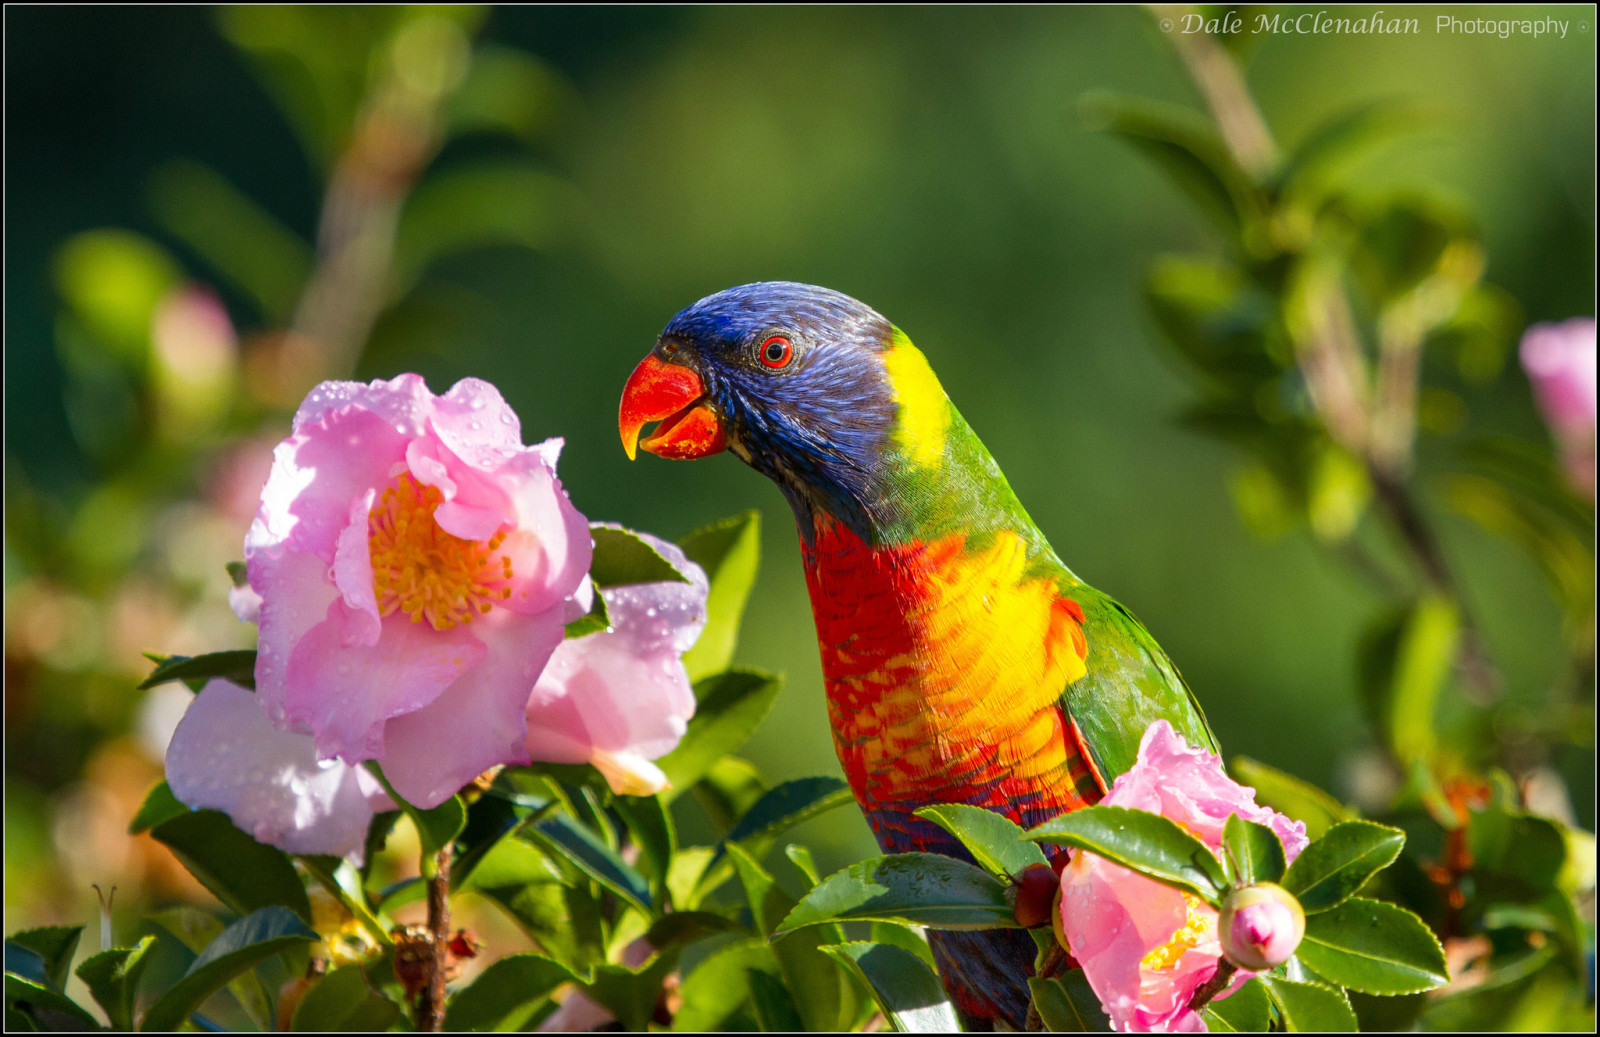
(1261, 926)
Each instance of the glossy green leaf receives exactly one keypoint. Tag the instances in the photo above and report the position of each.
(33, 1000)
(907, 991)
(995, 841)
(1148, 843)
(730, 553)
(653, 832)
(1296, 799)
(503, 990)
(730, 706)
(906, 937)
(244, 874)
(1255, 850)
(561, 917)
(1309, 1007)
(785, 806)
(1246, 1010)
(195, 929)
(1067, 1004)
(1340, 863)
(594, 621)
(437, 827)
(54, 946)
(1374, 947)
(621, 557)
(728, 790)
(236, 666)
(112, 977)
(924, 889)
(346, 1000)
(242, 945)
(572, 841)
(679, 928)
(1405, 660)
(823, 993)
(159, 805)
(716, 994)
(631, 994)
(801, 858)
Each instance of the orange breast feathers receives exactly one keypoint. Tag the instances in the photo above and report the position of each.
(944, 669)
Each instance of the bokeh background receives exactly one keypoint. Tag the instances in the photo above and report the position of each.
(556, 193)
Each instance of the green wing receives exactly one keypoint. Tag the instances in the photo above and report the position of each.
(1130, 684)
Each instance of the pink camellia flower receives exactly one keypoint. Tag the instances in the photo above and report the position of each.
(416, 565)
(1145, 947)
(1560, 362)
(225, 755)
(621, 697)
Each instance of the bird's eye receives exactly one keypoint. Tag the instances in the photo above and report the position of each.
(777, 352)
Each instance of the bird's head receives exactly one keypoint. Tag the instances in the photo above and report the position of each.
(808, 386)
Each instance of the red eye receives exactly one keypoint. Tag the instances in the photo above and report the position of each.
(777, 352)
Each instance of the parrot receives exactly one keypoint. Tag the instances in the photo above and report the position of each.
(962, 661)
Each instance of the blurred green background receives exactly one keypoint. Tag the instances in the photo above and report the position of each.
(614, 165)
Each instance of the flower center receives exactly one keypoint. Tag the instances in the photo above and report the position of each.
(421, 570)
(1195, 929)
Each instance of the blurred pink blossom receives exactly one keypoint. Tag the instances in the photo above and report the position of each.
(225, 755)
(416, 565)
(620, 698)
(1560, 362)
(1146, 947)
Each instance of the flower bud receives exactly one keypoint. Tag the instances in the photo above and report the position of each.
(1260, 926)
(1036, 888)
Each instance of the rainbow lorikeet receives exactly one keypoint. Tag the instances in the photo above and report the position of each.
(964, 663)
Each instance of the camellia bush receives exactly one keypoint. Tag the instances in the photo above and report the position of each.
(466, 689)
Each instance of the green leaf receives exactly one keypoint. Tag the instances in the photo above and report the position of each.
(994, 840)
(1148, 843)
(1255, 850)
(907, 938)
(728, 791)
(678, 928)
(905, 988)
(622, 557)
(437, 827)
(1308, 1007)
(195, 929)
(924, 889)
(346, 1000)
(112, 977)
(823, 994)
(730, 706)
(159, 805)
(247, 942)
(341, 879)
(1067, 1004)
(716, 994)
(238, 667)
(785, 806)
(592, 622)
(1296, 799)
(1404, 662)
(773, 1005)
(1373, 947)
(1183, 145)
(730, 553)
(572, 841)
(801, 858)
(502, 990)
(1338, 140)
(1246, 1010)
(1340, 863)
(476, 203)
(653, 832)
(562, 919)
(54, 945)
(21, 991)
(243, 874)
(631, 993)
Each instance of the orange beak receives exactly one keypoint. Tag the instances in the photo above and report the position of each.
(673, 395)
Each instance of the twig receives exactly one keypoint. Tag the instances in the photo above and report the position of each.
(1215, 985)
(1222, 86)
(430, 1000)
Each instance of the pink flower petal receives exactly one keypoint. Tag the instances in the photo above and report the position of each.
(352, 575)
(480, 717)
(225, 755)
(345, 692)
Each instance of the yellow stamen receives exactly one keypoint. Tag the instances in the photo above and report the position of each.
(424, 572)
(1196, 928)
